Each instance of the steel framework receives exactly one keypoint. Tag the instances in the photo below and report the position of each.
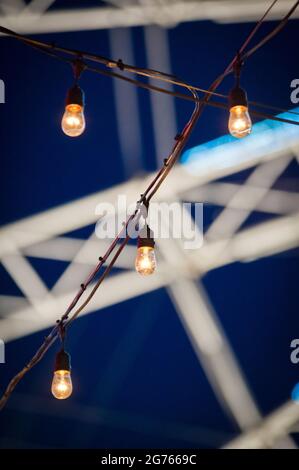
(37, 18)
(180, 271)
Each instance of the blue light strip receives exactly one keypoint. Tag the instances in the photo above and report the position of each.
(267, 137)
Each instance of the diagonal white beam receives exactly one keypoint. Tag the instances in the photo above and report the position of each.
(213, 351)
(209, 341)
(208, 338)
(75, 272)
(37, 7)
(221, 194)
(80, 213)
(270, 430)
(12, 7)
(26, 279)
(263, 177)
(10, 303)
(126, 98)
(262, 240)
(66, 248)
(62, 219)
(117, 289)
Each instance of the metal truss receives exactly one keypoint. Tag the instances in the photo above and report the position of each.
(36, 17)
(270, 430)
(45, 236)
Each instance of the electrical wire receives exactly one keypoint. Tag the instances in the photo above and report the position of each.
(272, 34)
(183, 96)
(65, 321)
(150, 73)
(147, 86)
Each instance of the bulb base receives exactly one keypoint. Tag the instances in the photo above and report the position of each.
(62, 361)
(75, 95)
(146, 237)
(237, 97)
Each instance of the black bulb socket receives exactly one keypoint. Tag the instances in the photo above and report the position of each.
(146, 237)
(75, 95)
(237, 97)
(62, 361)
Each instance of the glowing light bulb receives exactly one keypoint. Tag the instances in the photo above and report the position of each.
(239, 123)
(73, 120)
(62, 386)
(145, 263)
(295, 394)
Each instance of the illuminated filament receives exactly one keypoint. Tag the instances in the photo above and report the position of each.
(239, 123)
(145, 263)
(62, 384)
(73, 120)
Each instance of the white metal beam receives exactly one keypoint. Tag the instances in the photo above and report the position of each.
(11, 7)
(158, 58)
(36, 8)
(262, 240)
(213, 351)
(66, 248)
(117, 288)
(262, 178)
(207, 337)
(221, 194)
(268, 433)
(224, 11)
(126, 98)
(246, 245)
(80, 213)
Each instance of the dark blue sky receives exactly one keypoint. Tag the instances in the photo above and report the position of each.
(137, 382)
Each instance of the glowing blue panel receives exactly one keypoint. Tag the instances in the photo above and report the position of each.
(267, 137)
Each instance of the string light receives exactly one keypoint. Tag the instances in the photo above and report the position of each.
(239, 124)
(62, 386)
(73, 120)
(145, 262)
(73, 124)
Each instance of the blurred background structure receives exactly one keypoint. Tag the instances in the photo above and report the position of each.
(198, 355)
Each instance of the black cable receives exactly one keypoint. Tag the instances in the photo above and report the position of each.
(151, 73)
(150, 87)
(154, 185)
(183, 96)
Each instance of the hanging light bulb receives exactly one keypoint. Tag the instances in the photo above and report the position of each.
(73, 120)
(239, 124)
(145, 262)
(62, 386)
